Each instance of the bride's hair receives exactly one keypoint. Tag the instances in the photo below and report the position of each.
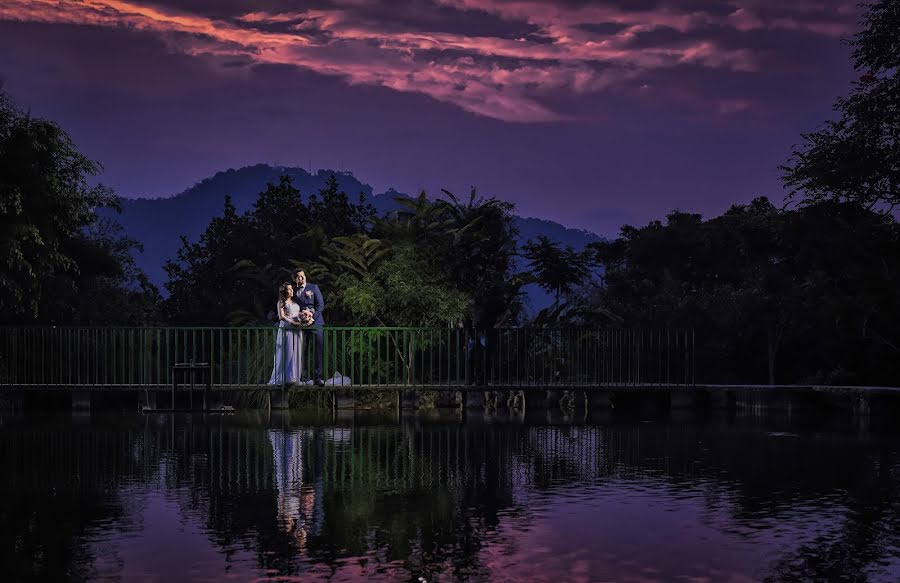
(283, 292)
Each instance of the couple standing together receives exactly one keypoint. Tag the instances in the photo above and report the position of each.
(299, 311)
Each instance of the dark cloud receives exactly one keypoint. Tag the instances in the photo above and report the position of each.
(498, 58)
(560, 105)
(601, 29)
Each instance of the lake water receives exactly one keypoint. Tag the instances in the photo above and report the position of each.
(303, 497)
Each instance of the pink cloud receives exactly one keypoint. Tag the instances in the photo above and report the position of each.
(802, 15)
(491, 75)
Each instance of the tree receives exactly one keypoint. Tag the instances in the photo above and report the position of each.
(333, 212)
(775, 295)
(479, 251)
(202, 288)
(60, 261)
(352, 264)
(231, 274)
(856, 158)
(557, 270)
(109, 287)
(404, 289)
(472, 242)
(415, 267)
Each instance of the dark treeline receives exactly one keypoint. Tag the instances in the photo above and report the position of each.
(59, 262)
(807, 295)
(804, 292)
(422, 266)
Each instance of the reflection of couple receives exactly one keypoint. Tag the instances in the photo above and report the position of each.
(300, 308)
(299, 482)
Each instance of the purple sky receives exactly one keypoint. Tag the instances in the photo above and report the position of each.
(591, 113)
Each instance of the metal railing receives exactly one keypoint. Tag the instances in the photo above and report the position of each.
(375, 357)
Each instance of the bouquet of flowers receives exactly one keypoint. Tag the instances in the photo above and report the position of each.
(305, 318)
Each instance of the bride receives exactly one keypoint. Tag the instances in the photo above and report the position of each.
(289, 341)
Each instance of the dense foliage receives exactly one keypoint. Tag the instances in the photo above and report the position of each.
(857, 156)
(774, 295)
(60, 262)
(433, 263)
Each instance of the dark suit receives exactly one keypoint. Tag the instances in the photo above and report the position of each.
(310, 298)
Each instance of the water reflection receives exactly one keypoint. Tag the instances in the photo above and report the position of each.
(248, 497)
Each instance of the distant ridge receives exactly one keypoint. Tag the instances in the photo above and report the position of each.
(158, 223)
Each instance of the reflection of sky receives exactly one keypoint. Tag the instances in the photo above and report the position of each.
(638, 528)
(538, 503)
(173, 545)
(169, 546)
(624, 531)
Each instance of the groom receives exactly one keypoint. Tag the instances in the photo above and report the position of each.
(308, 296)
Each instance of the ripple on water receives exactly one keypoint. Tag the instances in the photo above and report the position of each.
(227, 499)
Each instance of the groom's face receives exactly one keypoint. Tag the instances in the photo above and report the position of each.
(300, 278)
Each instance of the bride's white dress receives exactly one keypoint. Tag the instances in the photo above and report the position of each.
(288, 364)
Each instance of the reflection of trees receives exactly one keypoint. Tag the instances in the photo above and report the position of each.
(866, 535)
(425, 499)
(319, 495)
(431, 497)
(761, 478)
(58, 483)
(227, 466)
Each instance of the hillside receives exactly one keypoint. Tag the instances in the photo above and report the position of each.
(158, 223)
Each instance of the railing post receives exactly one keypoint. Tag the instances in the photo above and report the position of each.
(410, 357)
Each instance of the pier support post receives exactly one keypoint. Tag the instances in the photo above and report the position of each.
(408, 399)
(551, 398)
(862, 411)
(720, 399)
(344, 416)
(516, 401)
(502, 399)
(682, 400)
(81, 402)
(276, 419)
(474, 399)
(862, 404)
(278, 398)
(344, 399)
(780, 400)
(494, 400)
(685, 405)
(600, 400)
(574, 400)
(148, 400)
(13, 402)
(582, 401)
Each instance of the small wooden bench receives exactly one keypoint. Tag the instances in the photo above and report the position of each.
(193, 368)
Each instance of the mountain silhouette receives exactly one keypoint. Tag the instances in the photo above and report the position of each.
(159, 223)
